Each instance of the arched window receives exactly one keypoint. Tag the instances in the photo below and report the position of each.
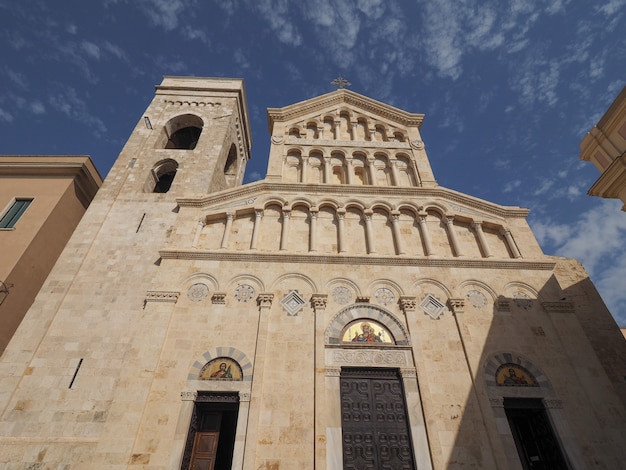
(161, 176)
(182, 132)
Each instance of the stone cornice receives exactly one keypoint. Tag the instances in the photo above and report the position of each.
(339, 97)
(297, 189)
(79, 167)
(255, 257)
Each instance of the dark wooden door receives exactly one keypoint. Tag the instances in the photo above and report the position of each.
(374, 423)
(204, 451)
(534, 437)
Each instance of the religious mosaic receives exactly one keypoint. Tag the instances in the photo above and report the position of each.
(221, 368)
(515, 375)
(360, 332)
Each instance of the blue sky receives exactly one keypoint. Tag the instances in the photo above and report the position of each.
(509, 88)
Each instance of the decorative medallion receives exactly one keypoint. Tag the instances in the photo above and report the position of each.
(476, 298)
(342, 295)
(384, 296)
(293, 303)
(418, 144)
(197, 292)
(244, 293)
(522, 299)
(432, 307)
(277, 139)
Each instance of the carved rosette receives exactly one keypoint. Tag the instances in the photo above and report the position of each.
(197, 292)
(384, 296)
(342, 295)
(244, 293)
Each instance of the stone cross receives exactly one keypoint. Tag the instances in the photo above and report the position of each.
(340, 82)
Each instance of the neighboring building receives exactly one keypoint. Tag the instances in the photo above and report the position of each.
(42, 199)
(605, 147)
(344, 312)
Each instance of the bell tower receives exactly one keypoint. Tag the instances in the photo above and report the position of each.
(193, 139)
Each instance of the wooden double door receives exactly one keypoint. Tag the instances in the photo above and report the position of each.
(375, 427)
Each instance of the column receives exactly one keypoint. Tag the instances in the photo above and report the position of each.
(313, 229)
(258, 216)
(305, 164)
(264, 303)
(341, 230)
(369, 238)
(349, 171)
(334, 449)
(372, 169)
(478, 228)
(229, 223)
(413, 398)
(394, 173)
(199, 227)
(285, 229)
(510, 242)
(327, 170)
(452, 234)
(428, 247)
(318, 302)
(395, 226)
(337, 129)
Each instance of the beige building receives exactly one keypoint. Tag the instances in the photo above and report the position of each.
(605, 147)
(42, 199)
(344, 312)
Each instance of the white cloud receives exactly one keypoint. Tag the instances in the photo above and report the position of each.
(163, 12)
(37, 107)
(511, 185)
(611, 7)
(5, 116)
(115, 50)
(90, 49)
(597, 240)
(69, 103)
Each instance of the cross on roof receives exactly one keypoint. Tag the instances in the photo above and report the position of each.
(340, 82)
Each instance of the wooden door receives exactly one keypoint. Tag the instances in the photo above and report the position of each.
(204, 450)
(374, 422)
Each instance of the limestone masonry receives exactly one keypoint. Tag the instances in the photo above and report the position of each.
(344, 312)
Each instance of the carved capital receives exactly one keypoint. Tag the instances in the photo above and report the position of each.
(407, 372)
(497, 402)
(407, 303)
(265, 299)
(218, 298)
(553, 403)
(333, 371)
(364, 299)
(456, 305)
(558, 307)
(162, 296)
(188, 396)
(258, 213)
(503, 305)
(244, 396)
(319, 301)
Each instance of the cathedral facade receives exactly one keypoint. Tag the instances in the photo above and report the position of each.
(345, 312)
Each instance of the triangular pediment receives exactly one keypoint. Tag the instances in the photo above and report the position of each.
(342, 100)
